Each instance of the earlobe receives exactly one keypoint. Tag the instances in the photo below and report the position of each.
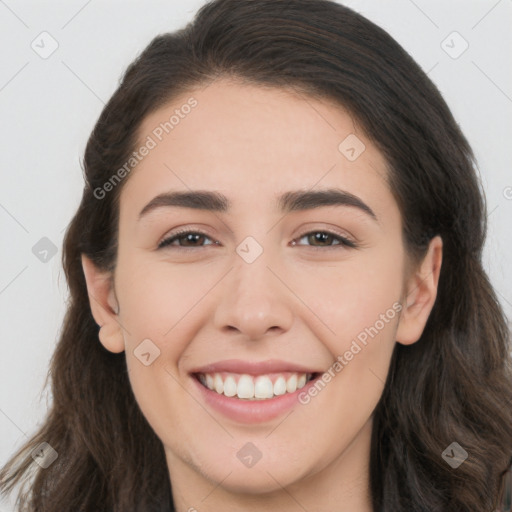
(104, 305)
(111, 337)
(420, 295)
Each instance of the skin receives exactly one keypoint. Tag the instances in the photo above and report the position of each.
(293, 302)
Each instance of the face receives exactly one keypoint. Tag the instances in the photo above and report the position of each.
(258, 290)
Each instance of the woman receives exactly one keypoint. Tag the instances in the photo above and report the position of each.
(277, 295)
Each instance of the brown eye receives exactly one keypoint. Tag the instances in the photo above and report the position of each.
(319, 239)
(185, 239)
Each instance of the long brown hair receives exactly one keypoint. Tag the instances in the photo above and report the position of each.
(453, 385)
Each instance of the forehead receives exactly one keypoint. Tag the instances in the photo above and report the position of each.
(253, 143)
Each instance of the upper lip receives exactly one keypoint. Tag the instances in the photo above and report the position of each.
(253, 367)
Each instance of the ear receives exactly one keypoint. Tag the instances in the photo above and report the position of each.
(420, 294)
(104, 306)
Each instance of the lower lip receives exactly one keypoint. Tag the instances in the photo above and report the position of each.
(251, 411)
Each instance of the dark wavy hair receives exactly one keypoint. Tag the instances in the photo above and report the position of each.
(453, 385)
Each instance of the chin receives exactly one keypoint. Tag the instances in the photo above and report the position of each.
(264, 477)
(251, 481)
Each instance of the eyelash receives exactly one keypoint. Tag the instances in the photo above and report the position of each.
(343, 242)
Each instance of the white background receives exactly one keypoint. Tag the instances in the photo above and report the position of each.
(48, 108)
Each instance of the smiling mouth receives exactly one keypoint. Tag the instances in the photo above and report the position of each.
(250, 387)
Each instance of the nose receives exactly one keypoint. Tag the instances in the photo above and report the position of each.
(255, 302)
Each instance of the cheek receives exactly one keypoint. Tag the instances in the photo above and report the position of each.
(158, 303)
(158, 298)
(357, 296)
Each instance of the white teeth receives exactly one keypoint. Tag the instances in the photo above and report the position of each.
(254, 388)
(291, 384)
(218, 384)
(279, 386)
(230, 386)
(245, 387)
(263, 387)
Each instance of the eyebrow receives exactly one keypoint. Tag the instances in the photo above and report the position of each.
(297, 200)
